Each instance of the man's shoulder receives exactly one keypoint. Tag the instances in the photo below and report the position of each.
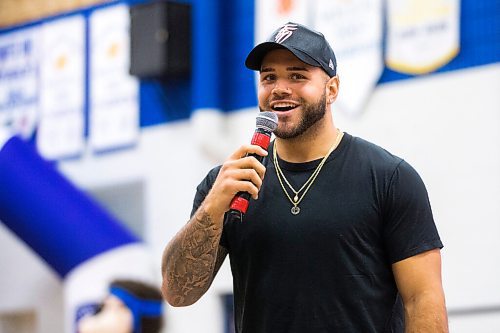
(208, 181)
(214, 171)
(366, 151)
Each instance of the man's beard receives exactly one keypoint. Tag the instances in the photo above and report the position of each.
(311, 114)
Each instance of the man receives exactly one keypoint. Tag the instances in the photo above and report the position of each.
(339, 236)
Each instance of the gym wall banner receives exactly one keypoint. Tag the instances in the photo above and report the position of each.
(270, 14)
(423, 35)
(62, 94)
(354, 29)
(19, 82)
(114, 93)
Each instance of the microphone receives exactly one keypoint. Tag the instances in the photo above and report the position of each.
(266, 123)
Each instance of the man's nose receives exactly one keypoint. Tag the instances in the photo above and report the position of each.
(281, 89)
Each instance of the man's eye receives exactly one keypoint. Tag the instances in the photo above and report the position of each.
(296, 76)
(269, 77)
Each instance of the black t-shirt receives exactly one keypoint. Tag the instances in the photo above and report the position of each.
(328, 269)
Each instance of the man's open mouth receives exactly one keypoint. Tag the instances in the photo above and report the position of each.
(283, 106)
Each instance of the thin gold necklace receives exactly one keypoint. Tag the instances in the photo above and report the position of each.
(305, 187)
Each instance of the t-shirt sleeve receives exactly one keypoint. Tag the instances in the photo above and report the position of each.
(203, 188)
(409, 224)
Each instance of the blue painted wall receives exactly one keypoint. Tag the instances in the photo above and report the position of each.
(223, 35)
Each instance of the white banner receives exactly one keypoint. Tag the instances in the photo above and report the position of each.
(423, 35)
(354, 29)
(62, 88)
(19, 52)
(271, 14)
(114, 94)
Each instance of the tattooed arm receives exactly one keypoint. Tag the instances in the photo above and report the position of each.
(193, 257)
(192, 260)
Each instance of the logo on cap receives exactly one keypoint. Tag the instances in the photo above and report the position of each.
(331, 65)
(285, 33)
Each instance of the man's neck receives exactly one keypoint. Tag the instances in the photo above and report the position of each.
(311, 145)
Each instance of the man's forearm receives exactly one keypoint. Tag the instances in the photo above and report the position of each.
(426, 315)
(189, 260)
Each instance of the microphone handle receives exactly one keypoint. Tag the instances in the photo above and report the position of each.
(239, 204)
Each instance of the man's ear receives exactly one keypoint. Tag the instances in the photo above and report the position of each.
(332, 89)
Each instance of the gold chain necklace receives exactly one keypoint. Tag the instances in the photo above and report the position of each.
(296, 199)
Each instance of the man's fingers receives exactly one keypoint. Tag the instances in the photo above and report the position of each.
(251, 162)
(248, 186)
(241, 172)
(248, 149)
(249, 175)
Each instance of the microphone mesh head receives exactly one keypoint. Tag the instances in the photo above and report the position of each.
(267, 121)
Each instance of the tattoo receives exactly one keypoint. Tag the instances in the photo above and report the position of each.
(190, 260)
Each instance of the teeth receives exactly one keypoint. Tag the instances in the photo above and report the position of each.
(284, 105)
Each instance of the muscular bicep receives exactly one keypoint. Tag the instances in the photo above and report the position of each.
(419, 275)
(419, 282)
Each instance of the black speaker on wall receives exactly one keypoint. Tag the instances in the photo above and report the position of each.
(160, 43)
